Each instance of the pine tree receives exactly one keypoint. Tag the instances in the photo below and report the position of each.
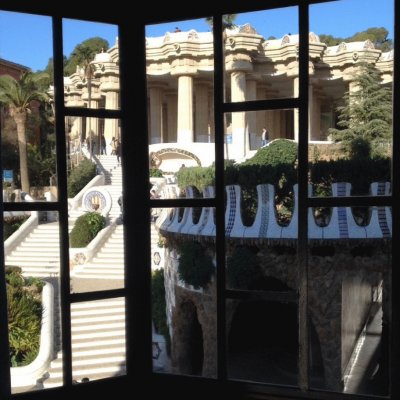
(365, 119)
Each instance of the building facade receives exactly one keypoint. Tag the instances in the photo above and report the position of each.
(180, 90)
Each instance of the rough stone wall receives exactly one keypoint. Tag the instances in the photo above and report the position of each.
(326, 276)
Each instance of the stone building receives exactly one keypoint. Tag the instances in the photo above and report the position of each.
(180, 90)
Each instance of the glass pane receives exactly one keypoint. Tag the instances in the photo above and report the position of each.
(261, 211)
(180, 99)
(98, 339)
(183, 283)
(350, 94)
(32, 293)
(247, 132)
(95, 200)
(91, 66)
(261, 55)
(349, 302)
(27, 138)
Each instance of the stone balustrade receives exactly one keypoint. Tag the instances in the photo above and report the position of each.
(341, 225)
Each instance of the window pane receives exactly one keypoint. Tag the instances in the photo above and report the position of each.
(183, 283)
(180, 91)
(247, 132)
(33, 297)
(95, 200)
(91, 66)
(27, 138)
(350, 94)
(349, 303)
(98, 339)
(261, 54)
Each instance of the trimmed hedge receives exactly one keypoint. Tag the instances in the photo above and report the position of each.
(80, 177)
(86, 227)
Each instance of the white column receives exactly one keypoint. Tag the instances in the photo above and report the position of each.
(111, 125)
(201, 113)
(211, 127)
(155, 114)
(185, 109)
(172, 112)
(296, 111)
(238, 93)
(251, 125)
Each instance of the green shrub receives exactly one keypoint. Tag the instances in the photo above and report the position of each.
(278, 152)
(12, 224)
(242, 268)
(80, 177)
(195, 266)
(24, 312)
(86, 227)
(155, 173)
(158, 305)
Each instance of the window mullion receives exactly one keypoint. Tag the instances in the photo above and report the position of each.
(302, 181)
(219, 192)
(62, 199)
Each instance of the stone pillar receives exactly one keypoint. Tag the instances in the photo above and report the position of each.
(92, 127)
(296, 111)
(111, 126)
(270, 124)
(201, 113)
(185, 109)
(314, 115)
(238, 93)
(156, 94)
(251, 117)
(172, 112)
(211, 126)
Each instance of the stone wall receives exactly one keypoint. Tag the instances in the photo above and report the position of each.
(336, 273)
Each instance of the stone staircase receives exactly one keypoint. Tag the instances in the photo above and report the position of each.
(39, 253)
(108, 263)
(113, 181)
(98, 342)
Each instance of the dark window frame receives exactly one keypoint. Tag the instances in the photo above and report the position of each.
(137, 230)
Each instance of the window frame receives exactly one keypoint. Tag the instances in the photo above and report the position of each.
(137, 289)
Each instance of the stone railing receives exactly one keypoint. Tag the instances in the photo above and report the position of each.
(341, 225)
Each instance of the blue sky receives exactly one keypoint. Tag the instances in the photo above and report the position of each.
(26, 39)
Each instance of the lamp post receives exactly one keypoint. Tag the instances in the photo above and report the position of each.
(86, 74)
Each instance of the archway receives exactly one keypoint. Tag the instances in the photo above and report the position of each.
(188, 340)
(263, 339)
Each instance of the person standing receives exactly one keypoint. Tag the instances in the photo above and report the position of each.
(264, 137)
(118, 150)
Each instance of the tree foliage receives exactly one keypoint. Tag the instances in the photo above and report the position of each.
(20, 96)
(378, 36)
(366, 114)
(84, 52)
(228, 21)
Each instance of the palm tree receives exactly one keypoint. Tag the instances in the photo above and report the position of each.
(19, 96)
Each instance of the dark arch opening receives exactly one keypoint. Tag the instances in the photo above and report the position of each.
(189, 341)
(263, 342)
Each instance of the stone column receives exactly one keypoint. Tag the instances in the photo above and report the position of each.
(172, 112)
(111, 126)
(238, 93)
(201, 112)
(251, 117)
(155, 130)
(296, 111)
(185, 109)
(314, 114)
(211, 126)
